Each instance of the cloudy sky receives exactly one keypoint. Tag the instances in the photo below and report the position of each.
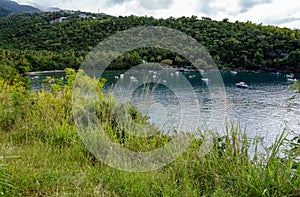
(283, 13)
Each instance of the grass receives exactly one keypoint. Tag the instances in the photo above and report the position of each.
(42, 155)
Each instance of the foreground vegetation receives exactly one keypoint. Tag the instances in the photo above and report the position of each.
(36, 44)
(42, 154)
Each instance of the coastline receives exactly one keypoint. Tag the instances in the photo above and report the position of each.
(180, 69)
(43, 72)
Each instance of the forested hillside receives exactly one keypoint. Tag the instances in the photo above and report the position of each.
(46, 41)
(9, 7)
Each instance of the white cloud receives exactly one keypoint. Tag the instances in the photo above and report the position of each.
(273, 12)
(156, 4)
(246, 5)
(279, 13)
(214, 8)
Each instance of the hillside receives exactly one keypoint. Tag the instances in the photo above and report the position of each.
(9, 7)
(239, 45)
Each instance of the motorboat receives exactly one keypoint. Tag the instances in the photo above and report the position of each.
(205, 79)
(277, 74)
(233, 72)
(241, 85)
(290, 76)
(291, 80)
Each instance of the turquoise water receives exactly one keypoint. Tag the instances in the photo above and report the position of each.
(262, 110)
(37, 79)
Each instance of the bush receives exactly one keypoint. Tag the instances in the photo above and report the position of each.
(53, 161)
(167, 62)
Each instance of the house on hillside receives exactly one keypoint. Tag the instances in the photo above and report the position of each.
(58, 20)
(82, 15)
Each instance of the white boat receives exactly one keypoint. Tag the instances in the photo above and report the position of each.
(291, 80)
(241, 85)
(132, 78)
(205, 79)
(277, 74)
(290, 76)
(233, 72)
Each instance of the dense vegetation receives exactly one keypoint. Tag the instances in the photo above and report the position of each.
(58, 45)
(42, 154)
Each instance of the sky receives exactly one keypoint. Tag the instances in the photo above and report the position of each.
(282, 13)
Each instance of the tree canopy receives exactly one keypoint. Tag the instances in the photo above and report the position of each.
(43, 41)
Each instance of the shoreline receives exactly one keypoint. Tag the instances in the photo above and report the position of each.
(172, 69)
(44, 72)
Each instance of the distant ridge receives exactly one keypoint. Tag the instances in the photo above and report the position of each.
(52, 9)
(45, 8)
(8, 7)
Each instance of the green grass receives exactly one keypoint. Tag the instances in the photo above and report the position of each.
(42, 155)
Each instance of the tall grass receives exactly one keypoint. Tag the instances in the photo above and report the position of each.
(53, 161)
(4, 179)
